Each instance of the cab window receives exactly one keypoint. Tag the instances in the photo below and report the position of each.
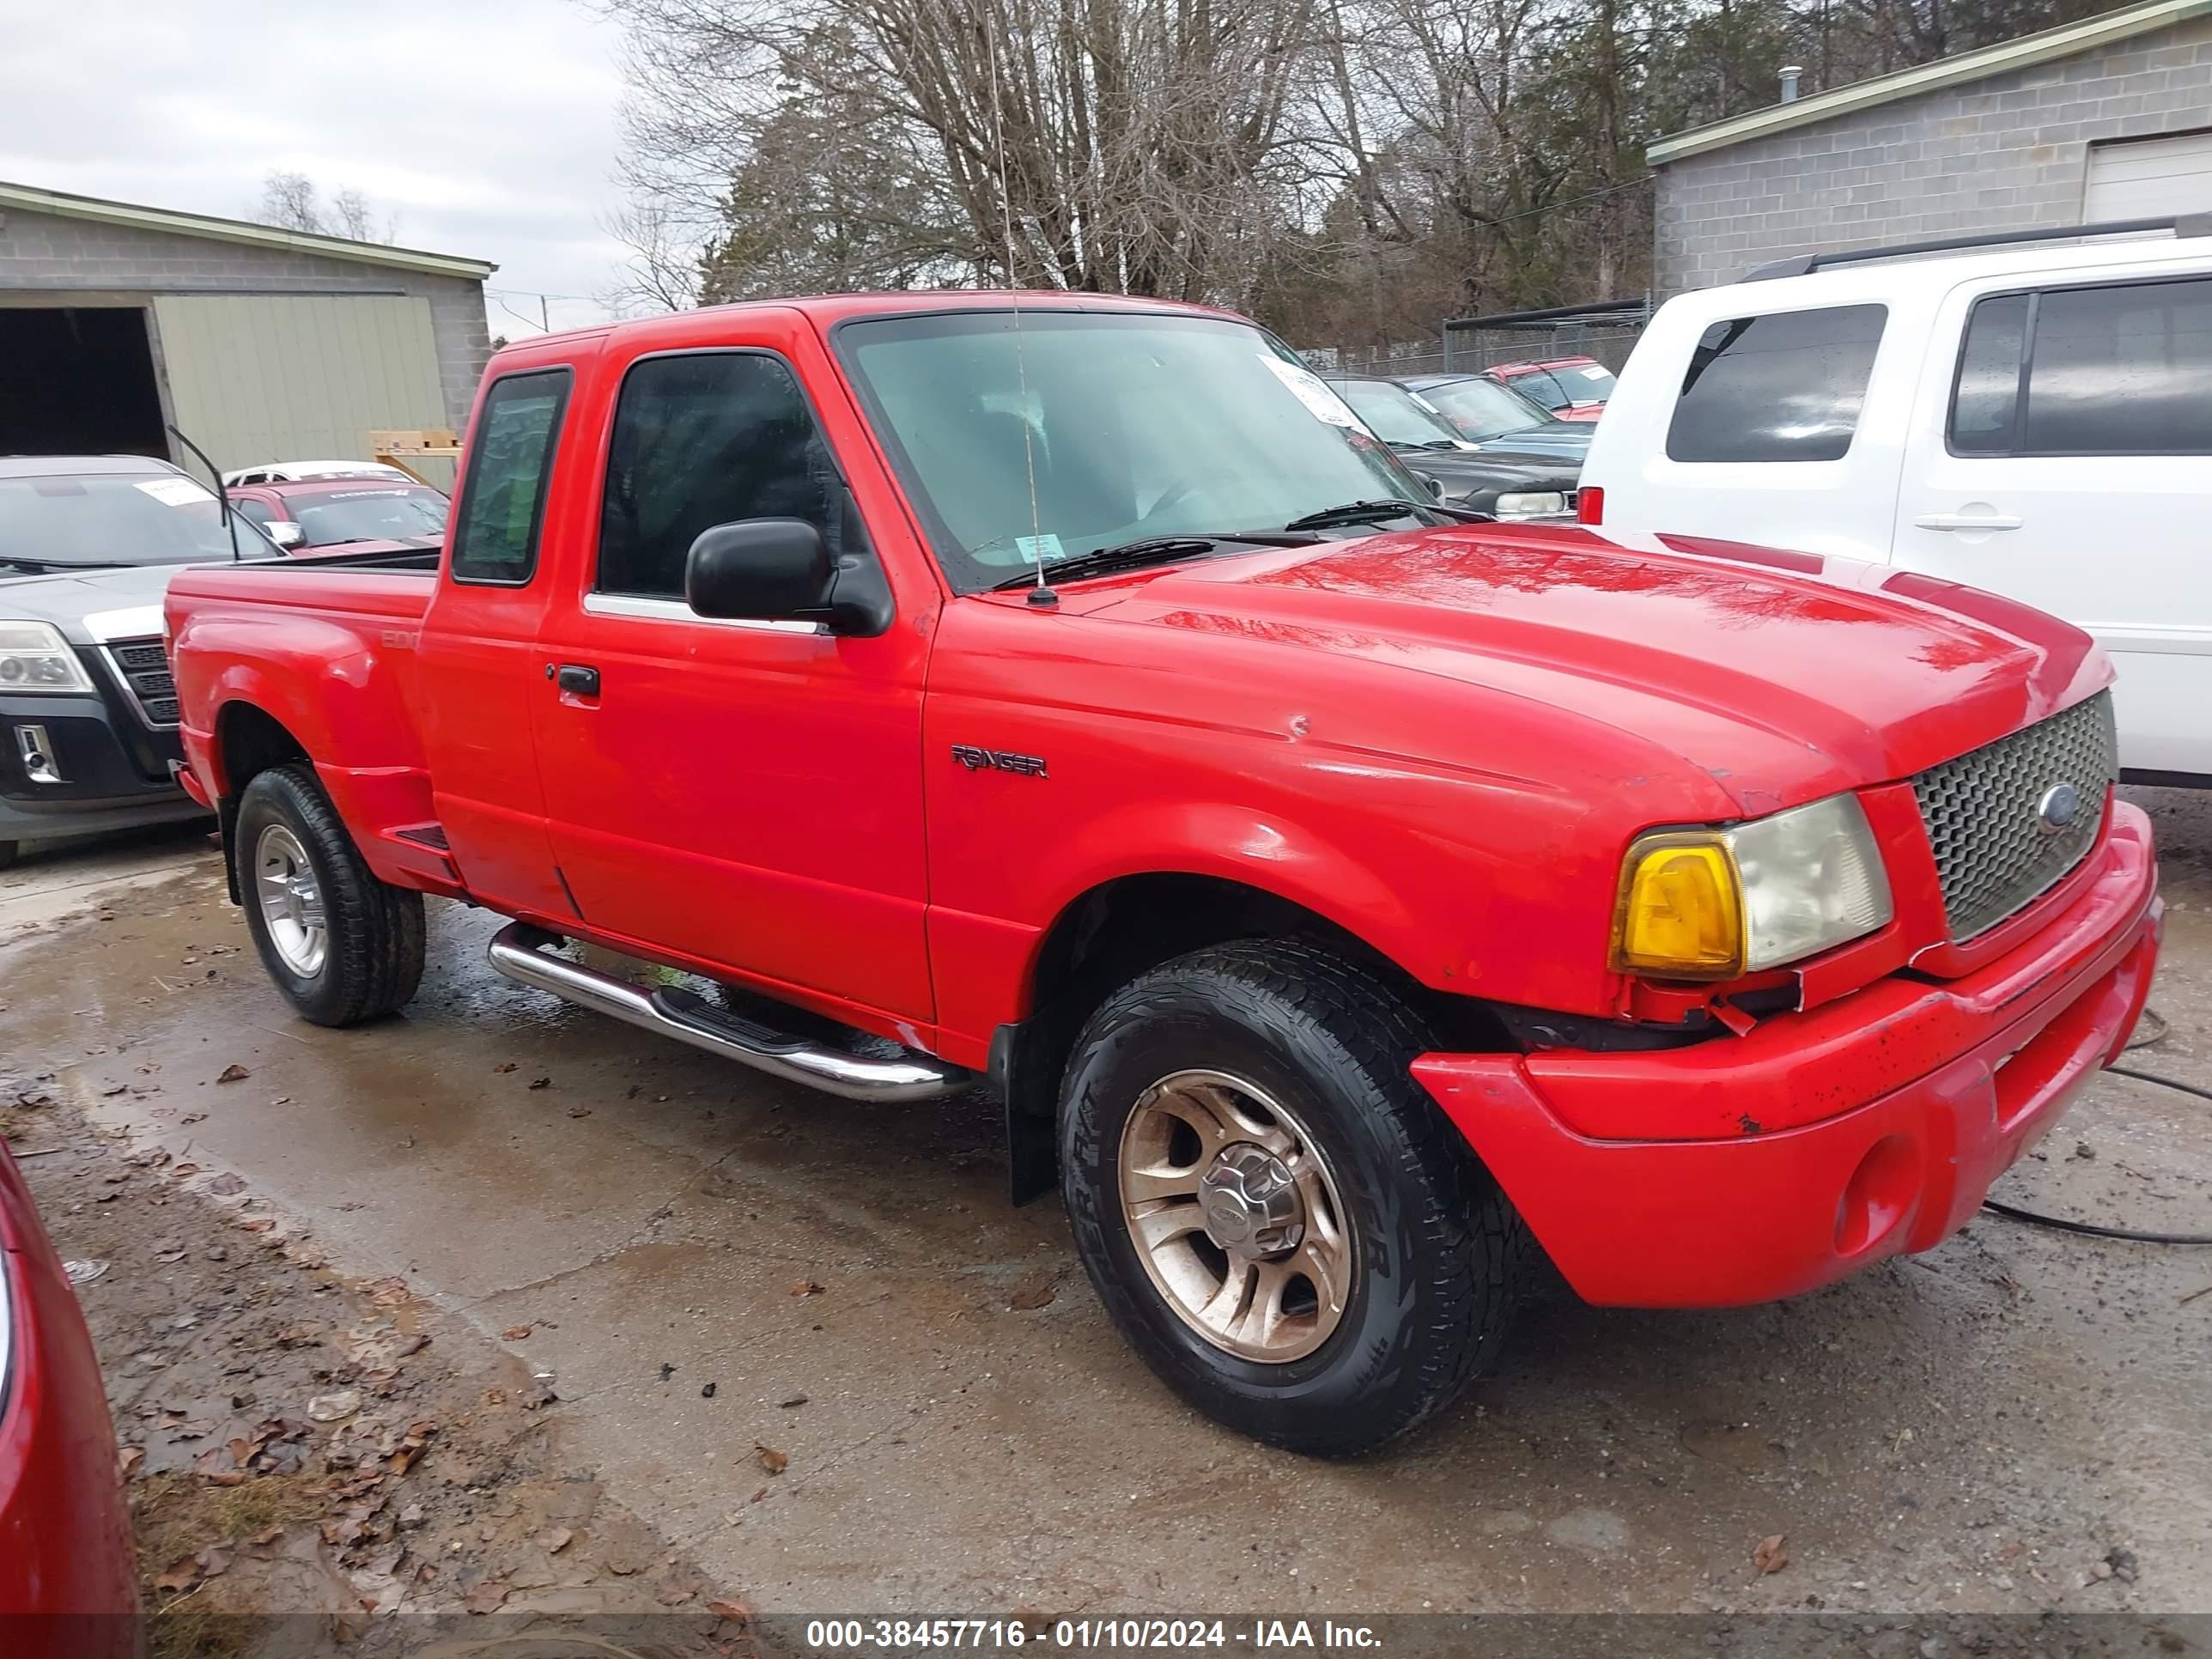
(702, 439)
(503, 493)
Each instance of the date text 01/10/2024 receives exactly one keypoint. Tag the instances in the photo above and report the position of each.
(903, 1635)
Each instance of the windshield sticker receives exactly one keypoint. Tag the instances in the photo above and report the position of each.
(1319, 398)
(174, 492)
(1038, 550)
(1593, 373)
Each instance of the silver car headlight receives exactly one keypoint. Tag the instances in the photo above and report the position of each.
(1716, 903)
(35, 657)
(1527, 503)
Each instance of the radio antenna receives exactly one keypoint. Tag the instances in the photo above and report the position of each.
(1040, 594)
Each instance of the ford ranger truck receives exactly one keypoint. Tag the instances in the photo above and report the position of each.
(1066, 695)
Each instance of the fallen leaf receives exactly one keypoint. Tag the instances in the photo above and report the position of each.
(556, 1540)
(243, 1450)
(233, 1073)
(1034, 1292)
(180, 1574)
(673, 1592)
(264, 1539)
(227, 1183)
(259, 1224)
(330, 1408)
(191, 1118)
(579, 1111)
(736, 1612)
(1769, 1555)
(214, 1560)
(128, 1459)
(806, 1287)
(772, 1460)
(541, 1083)
(795, 1400)
(504, 1066)
(485, 1595)
(516, 1333)
(387, 1292)
(757, 1496)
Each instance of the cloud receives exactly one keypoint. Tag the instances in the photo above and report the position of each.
(489, 129)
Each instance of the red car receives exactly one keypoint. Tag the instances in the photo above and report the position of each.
(1572, 388)
(364, 514)
(1345, 896)
(66, 1558)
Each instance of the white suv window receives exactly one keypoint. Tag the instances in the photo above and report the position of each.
(1787, 386)
(2118, 369)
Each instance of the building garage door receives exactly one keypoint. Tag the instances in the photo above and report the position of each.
(271, 377)
(2149, 179)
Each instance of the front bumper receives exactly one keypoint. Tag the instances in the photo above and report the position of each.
(114, 769)
(1925, 1093)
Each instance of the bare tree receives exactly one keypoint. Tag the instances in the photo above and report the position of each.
(295, 202)
(660, 271)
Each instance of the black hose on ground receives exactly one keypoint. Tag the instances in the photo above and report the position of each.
(2090, 1229)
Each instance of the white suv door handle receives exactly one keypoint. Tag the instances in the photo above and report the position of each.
(1967, 521)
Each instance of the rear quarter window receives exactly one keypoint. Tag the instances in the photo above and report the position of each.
(503, 493)
(1786, 386)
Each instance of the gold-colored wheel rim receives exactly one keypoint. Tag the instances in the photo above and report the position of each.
(1235, 1213)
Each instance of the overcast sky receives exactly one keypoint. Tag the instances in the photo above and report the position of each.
(487, 126)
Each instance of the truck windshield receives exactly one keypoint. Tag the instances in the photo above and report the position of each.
(1081, 430)
(1397, 416)
(1484, 408)
(86, 522)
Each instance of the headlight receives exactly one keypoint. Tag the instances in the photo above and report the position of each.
(35, 657)
(1715, 903)
(1528, 502)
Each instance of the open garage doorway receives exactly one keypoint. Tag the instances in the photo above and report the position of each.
(79, 380)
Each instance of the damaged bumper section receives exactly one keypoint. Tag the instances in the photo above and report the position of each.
(1743, 1170)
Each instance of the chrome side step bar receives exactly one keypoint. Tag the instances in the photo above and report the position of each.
(517, 951)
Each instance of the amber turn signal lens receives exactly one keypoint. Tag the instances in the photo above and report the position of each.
(1681, 911)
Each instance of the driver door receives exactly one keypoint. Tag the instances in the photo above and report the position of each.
(745, 794)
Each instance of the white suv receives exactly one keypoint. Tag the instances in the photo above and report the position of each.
(2035, 421)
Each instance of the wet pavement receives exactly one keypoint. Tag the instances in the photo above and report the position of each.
(1978, 1428)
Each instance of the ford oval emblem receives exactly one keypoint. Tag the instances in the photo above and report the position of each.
(2056, 811)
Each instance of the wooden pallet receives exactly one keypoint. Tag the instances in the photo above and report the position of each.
(399, 447)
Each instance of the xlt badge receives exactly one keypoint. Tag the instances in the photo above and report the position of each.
(998, 760)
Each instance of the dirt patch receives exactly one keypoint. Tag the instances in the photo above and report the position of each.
(314, 1460)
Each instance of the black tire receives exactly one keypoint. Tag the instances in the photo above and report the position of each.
(373, 955)
(1442, 1256)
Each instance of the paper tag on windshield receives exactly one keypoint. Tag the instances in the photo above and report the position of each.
(1038, 550)
(1595, 374)
(1316, 393)
(174, 492)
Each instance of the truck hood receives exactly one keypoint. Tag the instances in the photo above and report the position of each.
(91, 607)
(1782, 676)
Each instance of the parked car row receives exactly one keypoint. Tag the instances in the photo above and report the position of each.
(87, 546)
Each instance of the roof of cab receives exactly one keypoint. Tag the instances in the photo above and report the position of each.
(830, 309)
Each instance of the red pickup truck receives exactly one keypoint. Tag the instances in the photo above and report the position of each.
(1068, 696)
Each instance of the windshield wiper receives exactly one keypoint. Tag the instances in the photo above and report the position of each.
(1151, 549)
(1357, 513)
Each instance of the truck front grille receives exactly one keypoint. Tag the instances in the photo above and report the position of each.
(1994, 847)
(143, 668)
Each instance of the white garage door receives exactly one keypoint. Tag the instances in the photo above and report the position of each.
(295, 377)
(2149, 179)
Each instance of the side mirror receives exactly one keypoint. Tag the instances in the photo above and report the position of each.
(285, 533)
(1435, 485)
(760, 570)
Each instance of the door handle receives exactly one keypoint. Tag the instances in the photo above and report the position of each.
(1967, 521)
(577, 680)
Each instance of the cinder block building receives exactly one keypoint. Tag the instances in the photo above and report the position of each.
(2106, 119)
(260, 343)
